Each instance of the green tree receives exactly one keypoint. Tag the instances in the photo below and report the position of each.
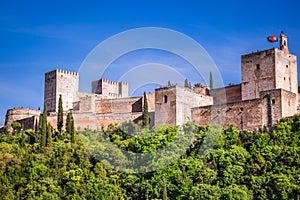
(40, 122)
(60, 114)
(165, 191)
(16, 126)
(197, 85)
(145, 112)
(70, 126)
(43, 126)
(186, 83)
(169, 84)
(49, 135)
(211, 81)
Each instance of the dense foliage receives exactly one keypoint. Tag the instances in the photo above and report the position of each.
(241, 165)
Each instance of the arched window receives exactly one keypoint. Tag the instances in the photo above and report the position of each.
(165, 99)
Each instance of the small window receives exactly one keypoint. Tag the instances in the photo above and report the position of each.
(284, 78)
(257, 66)
(165, 99)
(273, 101)
(287, 66)
(61, 76)
(241, 109)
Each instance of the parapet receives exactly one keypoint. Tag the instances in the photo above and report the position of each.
(111, 82)
(259, 53)
(18, 114)
(61, 71)
(23, 111)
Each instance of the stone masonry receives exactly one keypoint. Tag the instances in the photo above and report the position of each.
(60, 82)
(268, 92)
(26, 116)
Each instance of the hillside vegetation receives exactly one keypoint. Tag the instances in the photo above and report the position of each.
(241, 164)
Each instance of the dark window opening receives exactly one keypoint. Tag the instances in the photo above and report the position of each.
(257, 66)
(287, 66)
(241, 109)
(284, 43)
(273, 101)
(206, 91)
(165, 99)
(284, 78)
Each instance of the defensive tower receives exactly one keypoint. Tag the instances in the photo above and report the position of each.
(268, 70)
(60, 82)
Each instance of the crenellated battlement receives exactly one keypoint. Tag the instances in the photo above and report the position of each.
(66, 72)
(61, 71)
(110, 89)
(104, 80)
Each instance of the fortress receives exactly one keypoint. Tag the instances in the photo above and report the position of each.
(267, 93)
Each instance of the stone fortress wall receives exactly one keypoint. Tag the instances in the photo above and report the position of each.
(26, 116)
(93, 112)
(268, 92)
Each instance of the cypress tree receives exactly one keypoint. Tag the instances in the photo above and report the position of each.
(186, 83)
(68, 123)
(60, 114)
(145, 111)
(211, 82)
(169, 84)
(70, 126)
(40, 124)
(72, 129)
(43, 126)
(49, 135)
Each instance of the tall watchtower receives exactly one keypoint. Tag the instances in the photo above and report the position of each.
(60, 82)
(268, 70)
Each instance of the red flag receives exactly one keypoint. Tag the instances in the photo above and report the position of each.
(272, 38)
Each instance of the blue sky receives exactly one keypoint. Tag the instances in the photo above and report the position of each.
(38, 36)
